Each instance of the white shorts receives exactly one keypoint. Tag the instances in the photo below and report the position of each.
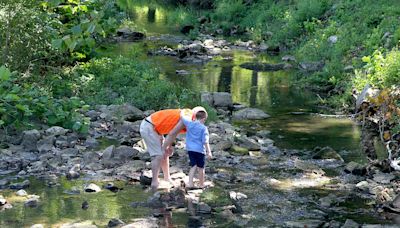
(151, 138)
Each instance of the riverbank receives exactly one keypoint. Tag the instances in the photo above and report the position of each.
(247, 168)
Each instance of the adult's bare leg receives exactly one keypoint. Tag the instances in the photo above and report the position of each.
(155, 170)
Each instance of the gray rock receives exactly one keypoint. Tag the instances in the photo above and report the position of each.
(146, 177)
(333, 39)
(92, 188)
(222, 99)
(21, 193)
(207, 98)
(20, 185)
(350, 224)
(125, 153)
(46, 144)
(250, 114)
(4, 183)
(123, 112)
(326, 153)
(56, 131)
(355, 168)
(3, 201)
(366, 93)
(143, 222)
(312, 66)
(309, 223)
(37, 226)
(383, 178)
(248, 143)
(108, 153)
(84, 224)
(115, 222)
(30, 139)
(32, 202)
(91, 143)
(203, 208)
(288, 58)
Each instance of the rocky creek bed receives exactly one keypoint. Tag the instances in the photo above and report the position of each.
(250, 181)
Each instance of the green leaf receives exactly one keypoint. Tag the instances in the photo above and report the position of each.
(366, 59)
(4, 73)
(57, 43)
(76, 29)
(77, 125)
(21, 107)
(12, 97)
(91, 28)
(1, 122)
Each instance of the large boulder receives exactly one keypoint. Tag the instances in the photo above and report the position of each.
(124, 112)
(366, 93)
(222, 99)
(250, 114)
(56, 131)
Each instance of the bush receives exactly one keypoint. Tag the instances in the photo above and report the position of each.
(122, 80)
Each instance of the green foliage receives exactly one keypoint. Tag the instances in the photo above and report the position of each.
(380, 71)
(25, 34)
(81, 24)
(107, 81)
(21, 104)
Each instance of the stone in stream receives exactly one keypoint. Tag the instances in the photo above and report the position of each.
(146, 177)
(115, 222)
(92, 188)
(85, 205)
(355, 168)
(21, 193)
(350, 224)
(84, 224)
(20, 185)
(143, 222)
(3, 201)
(250, 114)
(32, 202)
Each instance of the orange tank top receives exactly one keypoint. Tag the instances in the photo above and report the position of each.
(165, 120)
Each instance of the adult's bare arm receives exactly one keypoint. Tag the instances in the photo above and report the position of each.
(172, 135)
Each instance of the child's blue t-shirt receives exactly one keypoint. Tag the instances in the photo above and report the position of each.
(196, 135)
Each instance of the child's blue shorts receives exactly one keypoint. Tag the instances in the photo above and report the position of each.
(196, 159)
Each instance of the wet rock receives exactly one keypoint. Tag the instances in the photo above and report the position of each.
(355, 168)
(263, 133)
(222, 99)
(30, 139)
(309, 223)
(115, 222)
(122, 112)
(383, 178)
(203, 208)
(237, 195)
(85, 205)
(265, 66)
(21, 193)
(112, 187)
(182, 72)
(20, 185)
(91, 143)
(3, 201)
(250, 114)
(92, 188)
(311, 66)
(333, 39)
(350, 224)
(72, 191)
(223, 145)
(143, 222)
(326, 153)
(127, 35)
(32, 202)
(56, 131)
(124, 153)
(4, 183)
(207, 98)
(37, 226)
(365, 94)
(248, 143)
(46, 144)
(186, 29)
(239, 150)
(146, 177)
(288, 58)
(73, 173)
(84, 224)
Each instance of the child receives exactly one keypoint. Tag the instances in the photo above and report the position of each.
(197, 145)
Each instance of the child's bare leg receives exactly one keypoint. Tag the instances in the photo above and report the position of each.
(155, 170)
(191, 175)
(201, 177)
